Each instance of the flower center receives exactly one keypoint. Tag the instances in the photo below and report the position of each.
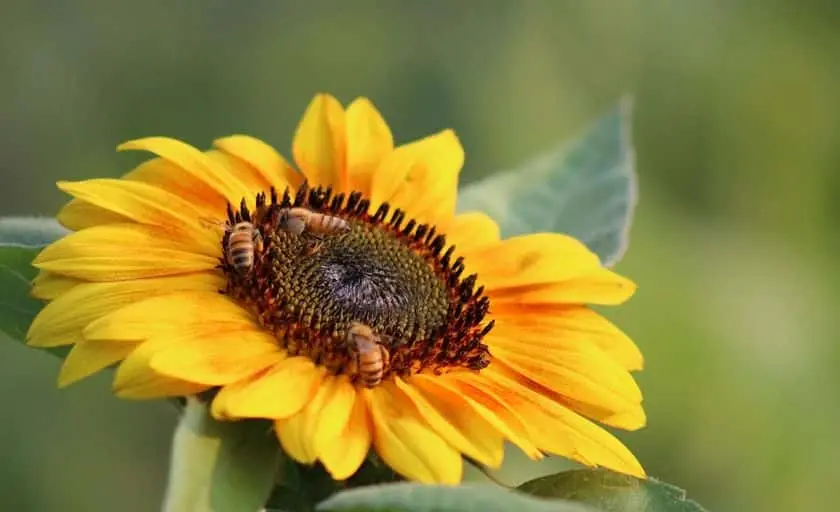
(367, 295)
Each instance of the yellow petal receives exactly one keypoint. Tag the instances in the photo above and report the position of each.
(599, 447)
(579, 371)
(472, 231)
(421, 178)
(542, 325)
(485, 405)
(49, 286)
(346, 453)
(319, 145)
(631, 419)
(320, 420)
(215, 356)
(459, 426)
(159, 387)
(531, 259)
(395, 167)
(78, 214)
(343, 454)
(194, 162)
(598, 286)
(263, 159)
(369, 140)
(295, 440)
(252, 180)
(146, 204)
(601, 286)
(406, 443)
(119, 252)
(279, 393)
(88, 357)
(335, 412)
(189, 185)
(137, 380)
(592, 444)
(169, 313)
(61, 322)
(542, 428)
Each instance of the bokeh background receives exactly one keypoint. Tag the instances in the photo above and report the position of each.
(734, 243)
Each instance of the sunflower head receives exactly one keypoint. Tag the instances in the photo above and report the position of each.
(343, 299)
(310, 285)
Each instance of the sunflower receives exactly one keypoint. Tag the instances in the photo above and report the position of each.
(400, 327)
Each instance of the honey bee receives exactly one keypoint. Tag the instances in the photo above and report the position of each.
(371, 358)
(301, 221)
(244, 240)
(313, 225)
(242, 243)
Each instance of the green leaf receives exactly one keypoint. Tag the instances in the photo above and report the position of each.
(411, 497)
(585, 188)
(612, 492)
(30, 231)
(17, 307)
(21, 239)
(310, 484)
(221, 466)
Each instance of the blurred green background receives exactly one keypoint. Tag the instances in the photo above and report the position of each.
(734, 244)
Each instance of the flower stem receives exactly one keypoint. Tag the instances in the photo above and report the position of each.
(192, 461)
(220, 466)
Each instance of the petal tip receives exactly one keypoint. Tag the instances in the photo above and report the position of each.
(142, 143)
(65, 378)
(449, 132)
(635, 470)
(64, 185)
(322, 101)
(362, 101)
(628, 420)
(220, 142)
(324, 97)
(129, 145)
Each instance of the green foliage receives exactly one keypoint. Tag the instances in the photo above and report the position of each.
(29, 231)
(409, 497)
(246, 469)
(612, 492)
(17, 308)
(223, 467)
(302, 486)
(21, 239)
(585, 188)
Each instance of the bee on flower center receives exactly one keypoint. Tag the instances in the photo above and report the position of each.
(370, 358)
(302, 221)
(243, 241)
(299, 220)
(369, 294)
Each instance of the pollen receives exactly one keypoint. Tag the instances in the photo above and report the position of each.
(386, 271)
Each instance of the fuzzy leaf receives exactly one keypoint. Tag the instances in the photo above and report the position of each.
(585, 188)
(409, 497)
(612, 492)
